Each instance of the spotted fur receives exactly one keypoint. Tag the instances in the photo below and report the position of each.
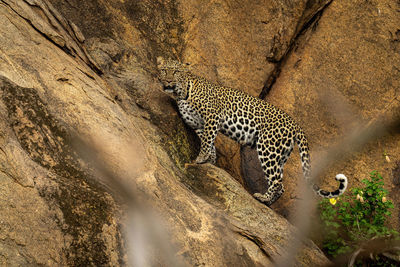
(210, 108)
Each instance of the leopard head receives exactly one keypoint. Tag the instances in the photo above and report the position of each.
(173, 76)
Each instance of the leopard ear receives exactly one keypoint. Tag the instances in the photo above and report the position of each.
(160, 61)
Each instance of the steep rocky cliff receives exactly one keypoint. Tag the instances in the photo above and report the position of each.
(87, 69)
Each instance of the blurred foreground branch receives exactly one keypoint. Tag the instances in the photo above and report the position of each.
(147, 241)
(354, 142)
(369, 250)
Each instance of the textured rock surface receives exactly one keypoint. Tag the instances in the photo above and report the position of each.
(87, 68)
(344, 72)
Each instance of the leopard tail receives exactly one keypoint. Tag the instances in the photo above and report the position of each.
(306, 166)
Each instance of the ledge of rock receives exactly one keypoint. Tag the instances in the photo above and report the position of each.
(259, 227)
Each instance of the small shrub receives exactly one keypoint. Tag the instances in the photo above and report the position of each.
(350, 220)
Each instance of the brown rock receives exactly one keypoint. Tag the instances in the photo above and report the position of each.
(237, 44)
(248, 218)
(57, 208)
(342, 73)
(252, 173)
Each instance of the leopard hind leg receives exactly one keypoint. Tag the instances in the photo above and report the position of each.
(272, 165)
(273, 155)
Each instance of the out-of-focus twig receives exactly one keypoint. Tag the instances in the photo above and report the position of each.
(143, 227)
(370, 249)
(354, 142)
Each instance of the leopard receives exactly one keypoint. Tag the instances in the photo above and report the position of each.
(209, 108)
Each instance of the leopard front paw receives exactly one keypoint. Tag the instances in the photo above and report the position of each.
(201, 159)
(262, 198)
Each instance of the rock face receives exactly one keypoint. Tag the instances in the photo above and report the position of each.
(342, 73)
(87, 69)
(241, 46)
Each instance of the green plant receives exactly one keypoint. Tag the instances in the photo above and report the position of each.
(350, 220)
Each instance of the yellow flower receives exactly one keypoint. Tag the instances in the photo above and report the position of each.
(332, 201)
(384, 199)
